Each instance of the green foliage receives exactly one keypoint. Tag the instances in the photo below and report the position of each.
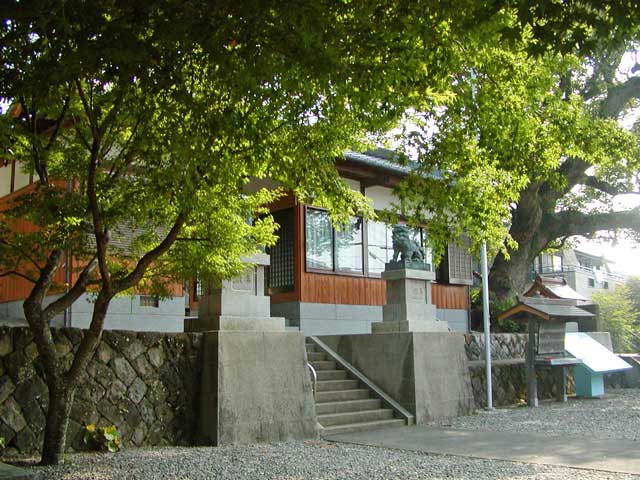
(510, 123)
(496, 307)
(620, 317)
(145, 123)
(3, 442)
(102, 439)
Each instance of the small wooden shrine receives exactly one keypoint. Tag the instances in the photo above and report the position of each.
(546, 325)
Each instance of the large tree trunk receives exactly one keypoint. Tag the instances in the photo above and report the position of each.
(510, 277)
(55, 432)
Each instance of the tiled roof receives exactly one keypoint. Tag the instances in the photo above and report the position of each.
(385, 159)
(560, 310)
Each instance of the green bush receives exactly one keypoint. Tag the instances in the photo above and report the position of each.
(619, 317)
(103, 439)
(496, 307)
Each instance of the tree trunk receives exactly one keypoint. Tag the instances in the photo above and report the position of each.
(55, 432)
(510, 277)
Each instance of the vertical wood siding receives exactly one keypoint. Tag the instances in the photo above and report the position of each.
(346, 290)
(14, 288)
(351, 290)
(455, 297)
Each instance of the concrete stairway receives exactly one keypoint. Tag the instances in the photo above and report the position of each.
(342, 404)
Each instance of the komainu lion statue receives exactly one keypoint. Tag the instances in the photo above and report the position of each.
(404, 246)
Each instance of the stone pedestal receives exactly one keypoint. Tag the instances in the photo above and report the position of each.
(238, 304)
(409, 307)
(255, 388)
(255, 383)
(427, 373)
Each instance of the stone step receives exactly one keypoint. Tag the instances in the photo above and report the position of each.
(331, 419)
(312, 347)
(331, 375)
(324, 365)
(348, 406)
(342, 395)
(316, 356)
(331, 385)
(362, 427)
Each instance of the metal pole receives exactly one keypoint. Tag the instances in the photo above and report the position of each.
(487, 326)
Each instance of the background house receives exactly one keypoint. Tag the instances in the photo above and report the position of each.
(127, 312)
(323, 281)
(583, 272)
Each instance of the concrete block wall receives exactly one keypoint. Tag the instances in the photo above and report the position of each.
(426, 372)
(337, 319)
(328, 318)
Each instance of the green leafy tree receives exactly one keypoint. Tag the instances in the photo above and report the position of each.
(152, 117)
(620, 316)
(598, 163)
(530, 145)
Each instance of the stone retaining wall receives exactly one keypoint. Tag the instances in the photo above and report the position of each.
(147, 384)
(508, 374)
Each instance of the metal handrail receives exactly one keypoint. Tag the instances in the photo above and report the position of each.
(548, 269)
(314, 375)
(386, 399)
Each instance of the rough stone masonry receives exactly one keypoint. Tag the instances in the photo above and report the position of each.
(147, 384)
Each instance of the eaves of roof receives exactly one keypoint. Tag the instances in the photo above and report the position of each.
(385, 160)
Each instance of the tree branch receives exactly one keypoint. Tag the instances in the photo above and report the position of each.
(619, 96)
(570, 222)
(137, 273)
(603, 186)
(23, 253)
(18, 274)
(99, 231)
(79, 287)
(58, 123)
(86, 105)
(33, 313)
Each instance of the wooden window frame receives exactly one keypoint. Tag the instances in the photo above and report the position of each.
(365, 250)
(334, 270)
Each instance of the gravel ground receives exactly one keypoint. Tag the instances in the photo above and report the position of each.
(302, 460)
(615, 416)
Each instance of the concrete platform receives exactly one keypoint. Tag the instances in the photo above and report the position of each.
(577, 452)
(9, 472)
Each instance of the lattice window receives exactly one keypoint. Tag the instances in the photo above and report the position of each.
(281, 271)
(457, 265)
(149, 301)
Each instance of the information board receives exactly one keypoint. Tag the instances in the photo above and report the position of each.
(593, 354)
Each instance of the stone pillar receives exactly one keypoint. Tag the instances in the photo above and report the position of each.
(409, 307)
(238, 304)
(255, 384)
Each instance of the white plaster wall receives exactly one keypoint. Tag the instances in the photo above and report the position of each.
(125, 313)
(354, 184)
(458, 320)
(21, 180)
(5, 180)
(382, 197)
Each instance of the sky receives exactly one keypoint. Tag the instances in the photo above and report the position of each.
(624, 252)
(625, 255)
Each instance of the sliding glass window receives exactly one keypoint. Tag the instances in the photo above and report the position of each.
(349, 247)
(343, 250)
(380, 245)
(319, 240)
